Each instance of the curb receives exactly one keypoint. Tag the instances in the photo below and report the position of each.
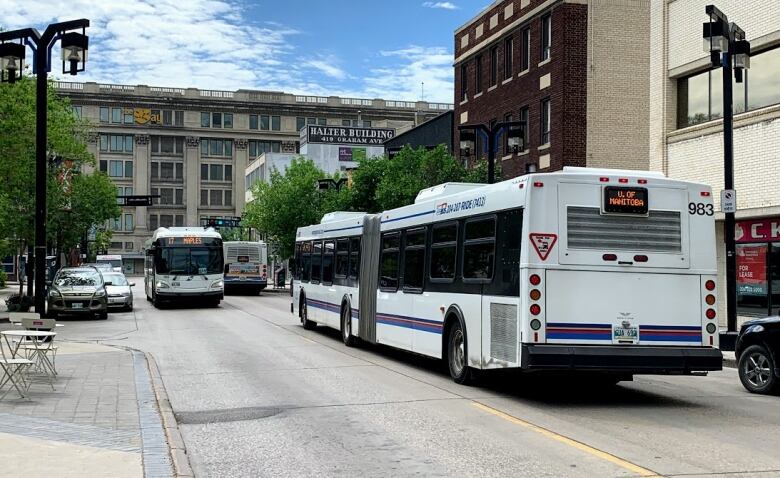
(729, 362)
(181, 462)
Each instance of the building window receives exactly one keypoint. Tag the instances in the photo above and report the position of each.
(508, 51)
(366, 123)
(700, 97)
(128, 116)
(166, 196)
(215, 197)
(299, 123)
(116, 115)
(227, 120)
(493, 65)
(259, 147)
(115, 245)
(216, 147)
(205, 120)
(104, 142)
(252, 121)
(264, 122)
(179, 219)
(167, 145)
(77, 111)
(215, 172)
(322, 121)
(546, 36)
(505, 136)
(204, 197)
(276, 123)
(478, 75)
(346, 122)
(525, 53)
(152, 222)
(545, 124)
(166, 220)
(129, 225)
(103, 166)
(216, 120)
(526, 126)
(169, 117)
(464, 82)
(128, 169)
(228, 198)
(104, 114)
(116, 169)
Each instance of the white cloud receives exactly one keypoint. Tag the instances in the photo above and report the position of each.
(443, 5)
(205, 44)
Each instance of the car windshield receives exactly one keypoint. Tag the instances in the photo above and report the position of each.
(115, 279)
(77, 278)
(189, 261)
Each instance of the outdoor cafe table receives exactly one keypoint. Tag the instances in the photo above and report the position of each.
(37, 336)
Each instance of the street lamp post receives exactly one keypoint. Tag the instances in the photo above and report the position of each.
(726, 44)
(74, 57)
(491, 135)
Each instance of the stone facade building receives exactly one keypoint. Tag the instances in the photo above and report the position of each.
(686, 132)
(576, 71)
(191, 146)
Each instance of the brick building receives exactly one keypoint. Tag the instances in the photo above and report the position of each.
(575, 70)
(686, 132)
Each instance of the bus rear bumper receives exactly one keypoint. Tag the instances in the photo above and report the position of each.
(636, 359)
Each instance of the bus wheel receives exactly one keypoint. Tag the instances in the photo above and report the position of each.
(457, 355)
(307, 324)
(346, 326)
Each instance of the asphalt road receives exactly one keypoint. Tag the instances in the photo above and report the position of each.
(256, 395)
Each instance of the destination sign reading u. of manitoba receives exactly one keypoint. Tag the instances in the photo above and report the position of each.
(345, 135)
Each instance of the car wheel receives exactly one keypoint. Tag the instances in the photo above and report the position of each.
(457, 355)
(757, 370)
(103, 315)
(307, 324)
(346, 327)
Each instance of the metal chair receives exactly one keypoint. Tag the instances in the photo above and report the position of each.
(13, 371)
(42, 352)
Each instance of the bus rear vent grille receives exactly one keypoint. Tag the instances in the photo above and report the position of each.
(660, 231)
(503, 332)
(234, 251)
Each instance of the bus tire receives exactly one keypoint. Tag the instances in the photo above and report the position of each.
(346, 325)
(307, 324)
(457, 354)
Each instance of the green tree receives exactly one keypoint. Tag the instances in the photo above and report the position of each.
(289, 201)
(66, 138)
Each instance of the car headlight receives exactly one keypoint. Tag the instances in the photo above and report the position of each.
(100, 293)
(217, 284)
(54, 294)
(162, 285)
(756, 328)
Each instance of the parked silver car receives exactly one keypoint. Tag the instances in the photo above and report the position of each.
(120, 293)
(78, 290)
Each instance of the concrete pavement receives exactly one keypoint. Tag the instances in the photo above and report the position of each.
(256, 395)
(100, 420)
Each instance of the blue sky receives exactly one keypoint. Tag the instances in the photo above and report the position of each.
(370, 48)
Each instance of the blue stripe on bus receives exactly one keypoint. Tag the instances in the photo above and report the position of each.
(413, 323)
(693, 328)
(342, 228)
(669, 338)
(409, 216)
(577, 336)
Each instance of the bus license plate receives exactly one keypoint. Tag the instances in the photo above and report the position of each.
(241, 278)
(175, 284)
(76, 305)
(622, 334)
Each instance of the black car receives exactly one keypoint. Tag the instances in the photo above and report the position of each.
(758, 353)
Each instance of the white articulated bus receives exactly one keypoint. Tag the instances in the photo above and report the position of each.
(246, 265)
(589, 270)
(184, 263)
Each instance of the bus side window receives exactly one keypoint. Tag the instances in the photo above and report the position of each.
(327, 263)
(388, 262)
(297, 264)
(414, 259)
(316, 262)
(479, 249)
(306, 262)
(342, 258)
(354, 258)
(510, 225)
(444, 246)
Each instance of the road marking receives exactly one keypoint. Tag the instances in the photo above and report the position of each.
(569, 441)
(308, 339)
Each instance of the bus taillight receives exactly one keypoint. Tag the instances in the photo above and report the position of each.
(710, 314)
(710, 285)
(535, 279)
(535, 309)
(609, 257)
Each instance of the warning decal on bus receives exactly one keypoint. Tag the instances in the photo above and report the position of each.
(543, 243)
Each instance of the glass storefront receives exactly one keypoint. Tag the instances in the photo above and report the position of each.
(758, 267)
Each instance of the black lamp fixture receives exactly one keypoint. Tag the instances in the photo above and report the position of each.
(11, 61)
(467, 142)
(74, 52)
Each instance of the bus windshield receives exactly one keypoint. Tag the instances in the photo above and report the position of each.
(189, 261)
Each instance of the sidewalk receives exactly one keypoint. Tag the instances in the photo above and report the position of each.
(101, 420)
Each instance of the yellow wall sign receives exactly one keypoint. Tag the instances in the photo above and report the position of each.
(146, 116)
